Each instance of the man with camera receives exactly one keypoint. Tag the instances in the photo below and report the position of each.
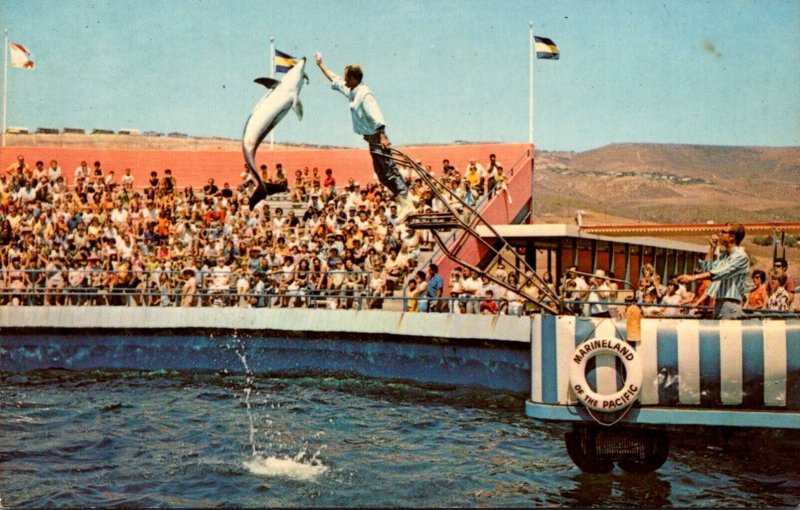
(727, 265)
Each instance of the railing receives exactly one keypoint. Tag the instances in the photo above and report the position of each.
(479, 205)
(351, 295)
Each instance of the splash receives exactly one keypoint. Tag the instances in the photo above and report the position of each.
(297, 468)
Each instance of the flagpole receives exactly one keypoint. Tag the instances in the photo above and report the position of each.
(5, 85)
(530, 115)
(272, 75)
(530, 84)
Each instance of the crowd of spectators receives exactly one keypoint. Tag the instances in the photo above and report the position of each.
(100, 238)
(601, 296)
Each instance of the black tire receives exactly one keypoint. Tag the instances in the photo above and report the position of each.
(654, 460)
(586, 463)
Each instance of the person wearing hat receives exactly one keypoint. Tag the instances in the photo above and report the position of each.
(598, 295)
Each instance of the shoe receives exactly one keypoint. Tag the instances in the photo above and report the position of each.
(404, 207)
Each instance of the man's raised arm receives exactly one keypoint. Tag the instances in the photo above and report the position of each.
(322, 67)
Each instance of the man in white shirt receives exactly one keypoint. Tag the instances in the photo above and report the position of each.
(472, 289)
(368, 121)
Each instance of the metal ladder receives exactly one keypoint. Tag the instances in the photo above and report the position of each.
(468, 220)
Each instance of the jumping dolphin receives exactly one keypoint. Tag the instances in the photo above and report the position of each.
(281, 96)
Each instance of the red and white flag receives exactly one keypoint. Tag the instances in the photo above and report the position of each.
(20, 56)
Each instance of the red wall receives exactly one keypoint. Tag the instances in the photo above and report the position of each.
(496, 212)
(193, 168)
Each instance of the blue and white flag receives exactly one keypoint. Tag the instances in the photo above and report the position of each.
(546, 48)
(283, 61)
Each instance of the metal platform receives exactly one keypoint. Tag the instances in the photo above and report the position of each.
(462, 216)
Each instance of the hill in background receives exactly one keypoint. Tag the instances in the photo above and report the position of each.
(671, 183)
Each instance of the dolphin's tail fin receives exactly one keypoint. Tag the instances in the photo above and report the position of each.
(258, 195)
(265, 189)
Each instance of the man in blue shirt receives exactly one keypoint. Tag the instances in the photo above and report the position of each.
(727, 265)
(434, 290)
(368, 122)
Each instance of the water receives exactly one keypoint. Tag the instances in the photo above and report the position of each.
(101, 438)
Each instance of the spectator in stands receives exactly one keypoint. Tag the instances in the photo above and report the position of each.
(475, 176)
(779, 300)
(672, 299)
(780, 267)
(757, 299)
(411, 296)
(575, 289)
(127, 180)
(472, 289)
(501, 184)
(189, 290)
(598, 295)
(513, 303)
(433, 290)
(456, 283)
(489, 305)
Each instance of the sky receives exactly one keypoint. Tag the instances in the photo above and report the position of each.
(721, 72)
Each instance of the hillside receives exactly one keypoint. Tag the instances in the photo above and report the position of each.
(672, 183)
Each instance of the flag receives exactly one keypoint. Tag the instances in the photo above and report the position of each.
(20, 56)
(283, 61)
(546, 48)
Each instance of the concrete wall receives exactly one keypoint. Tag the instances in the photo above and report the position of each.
(416, 325)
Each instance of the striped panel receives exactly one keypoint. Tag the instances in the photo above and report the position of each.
(647, 353)
(684, 362)
(730, 356)
(688, 332)
(752, 362)
(793, 365)
(565, 346)
(710, 365)
(536, 357)
(774, 363)
(548, 374)
(667, 355)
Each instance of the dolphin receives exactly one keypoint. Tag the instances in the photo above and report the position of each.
(281, 96)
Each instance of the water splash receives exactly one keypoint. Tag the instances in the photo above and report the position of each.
(300, 467)
(248, 383)
(296, 468)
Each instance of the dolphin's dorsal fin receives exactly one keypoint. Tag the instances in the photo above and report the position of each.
(297, 106)
(267, 82)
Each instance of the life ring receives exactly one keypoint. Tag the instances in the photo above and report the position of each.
(633, 374)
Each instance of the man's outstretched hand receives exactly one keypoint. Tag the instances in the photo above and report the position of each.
(318, 57)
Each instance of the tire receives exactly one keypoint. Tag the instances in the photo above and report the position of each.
(655, 459)
(586, 463)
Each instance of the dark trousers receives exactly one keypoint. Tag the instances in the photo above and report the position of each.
(385, 167)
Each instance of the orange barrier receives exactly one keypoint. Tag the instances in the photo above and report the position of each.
(193, 168)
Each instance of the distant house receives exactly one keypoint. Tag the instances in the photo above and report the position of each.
(47, 131)
(97, 131)
(74, 131)
(15, 130)
(129, 131)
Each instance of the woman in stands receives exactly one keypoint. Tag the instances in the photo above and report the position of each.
(757, 299)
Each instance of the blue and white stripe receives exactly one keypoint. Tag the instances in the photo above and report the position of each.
(753, 364)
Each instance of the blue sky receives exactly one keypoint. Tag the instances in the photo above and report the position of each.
(706, 72)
